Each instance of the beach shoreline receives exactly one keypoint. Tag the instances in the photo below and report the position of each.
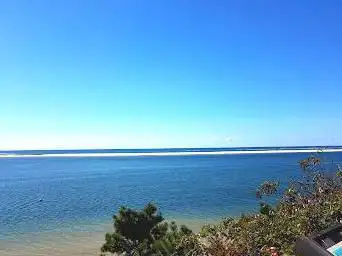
(55, 244)
(87, 242)
(146, 154)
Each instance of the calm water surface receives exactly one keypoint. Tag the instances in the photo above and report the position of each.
(51, 194)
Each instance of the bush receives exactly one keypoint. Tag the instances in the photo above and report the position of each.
(143, 233)
(307, 206)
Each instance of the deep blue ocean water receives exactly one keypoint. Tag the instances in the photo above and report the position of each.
(48, 193)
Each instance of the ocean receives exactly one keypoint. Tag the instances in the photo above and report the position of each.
(61, 194)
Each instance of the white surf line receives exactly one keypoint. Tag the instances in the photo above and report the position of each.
(241, 152)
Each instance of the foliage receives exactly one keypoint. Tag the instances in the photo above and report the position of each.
(307, 206)
(143, 233)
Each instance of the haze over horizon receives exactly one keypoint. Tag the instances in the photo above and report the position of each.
(169, 74)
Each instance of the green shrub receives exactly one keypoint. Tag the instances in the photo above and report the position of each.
(307, 206)
(143, 233)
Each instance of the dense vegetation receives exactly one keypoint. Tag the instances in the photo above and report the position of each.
(306, 206)
(143, 233)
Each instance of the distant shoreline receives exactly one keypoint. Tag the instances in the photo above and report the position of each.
(185, 153)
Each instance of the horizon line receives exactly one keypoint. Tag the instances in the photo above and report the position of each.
(161, 148)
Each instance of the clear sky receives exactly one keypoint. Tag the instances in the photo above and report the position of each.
(170, 73)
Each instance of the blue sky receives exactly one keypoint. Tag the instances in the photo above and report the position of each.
(177, 73)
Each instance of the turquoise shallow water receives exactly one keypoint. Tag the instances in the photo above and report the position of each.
(52, 194)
